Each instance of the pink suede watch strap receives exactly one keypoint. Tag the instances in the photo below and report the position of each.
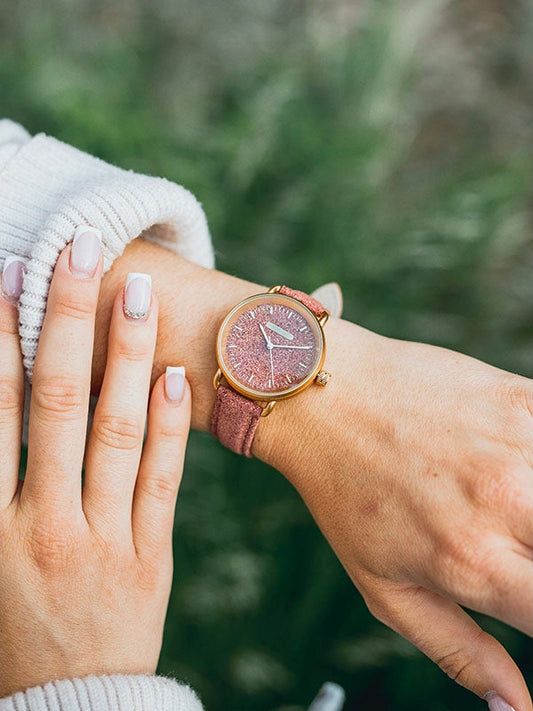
(234, 420)
(312, 304)
(235, 417)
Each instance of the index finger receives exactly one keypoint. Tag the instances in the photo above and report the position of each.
(62, 374)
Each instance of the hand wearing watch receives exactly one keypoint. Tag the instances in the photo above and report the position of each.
(270, 347)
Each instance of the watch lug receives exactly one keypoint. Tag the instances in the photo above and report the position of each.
(274, 289)
(216, 379)
(323, 319)
(268, 408)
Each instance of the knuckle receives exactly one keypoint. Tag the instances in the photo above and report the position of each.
(479, 467)
(161, 486)
(117, 432)
(59, 395)
(72, 305)
(457, 664)
(518, 392)
(136, 351)
(494, 486)
(11, 396)
(52, 546)
(175, 436)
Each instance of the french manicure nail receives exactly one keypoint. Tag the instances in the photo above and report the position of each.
(12, 278)
(496, 703)
(137, 295)
(85, 251)
(175, 383)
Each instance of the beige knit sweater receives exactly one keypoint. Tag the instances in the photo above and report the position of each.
(48, 188)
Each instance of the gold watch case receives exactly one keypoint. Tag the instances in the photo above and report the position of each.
(316, 374)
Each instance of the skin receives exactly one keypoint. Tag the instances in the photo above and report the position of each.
(112, 542)
(415, 462)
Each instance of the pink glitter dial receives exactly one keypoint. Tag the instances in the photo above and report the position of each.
(270, 346)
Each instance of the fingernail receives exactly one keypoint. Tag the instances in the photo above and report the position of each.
(496, 703)
(137, 295)
(330, 698)
(175, 383)
(85, 251)
(12, 277)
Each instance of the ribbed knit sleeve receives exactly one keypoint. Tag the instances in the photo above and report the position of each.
(106, 693)
(48, 188)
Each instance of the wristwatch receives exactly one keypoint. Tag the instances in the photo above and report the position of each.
(269, 347)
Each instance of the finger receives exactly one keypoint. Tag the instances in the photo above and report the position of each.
(62, 373)
(509, 591)
(161, 467)
(11, 380)
(450, 637)
(115, 442)
(497, 582)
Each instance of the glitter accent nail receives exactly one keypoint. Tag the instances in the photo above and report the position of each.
(137, 295)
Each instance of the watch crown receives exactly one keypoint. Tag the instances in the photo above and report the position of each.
(323, 378)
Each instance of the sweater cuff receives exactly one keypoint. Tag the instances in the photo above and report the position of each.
(118, 692)
(49, 188)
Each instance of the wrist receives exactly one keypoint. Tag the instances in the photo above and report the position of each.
(297, 438)
(193, 302)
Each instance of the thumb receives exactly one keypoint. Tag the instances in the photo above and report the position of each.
(445, 633)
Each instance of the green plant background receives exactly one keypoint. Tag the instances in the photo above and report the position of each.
(384, 145)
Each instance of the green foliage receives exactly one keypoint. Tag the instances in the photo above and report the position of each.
(382, 145)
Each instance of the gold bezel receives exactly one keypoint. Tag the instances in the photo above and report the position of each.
(256, 394)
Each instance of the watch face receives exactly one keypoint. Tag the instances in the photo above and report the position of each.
(270, 346)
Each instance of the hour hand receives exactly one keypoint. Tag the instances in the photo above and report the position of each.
(280, 331)
(282, 345)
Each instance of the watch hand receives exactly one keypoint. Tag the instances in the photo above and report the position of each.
(282, 345)
(267, 339)
(280, 331)
(271, 366)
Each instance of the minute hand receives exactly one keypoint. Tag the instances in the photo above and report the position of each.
(267, 339)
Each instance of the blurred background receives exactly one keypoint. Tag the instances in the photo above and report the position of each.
(384, 145)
